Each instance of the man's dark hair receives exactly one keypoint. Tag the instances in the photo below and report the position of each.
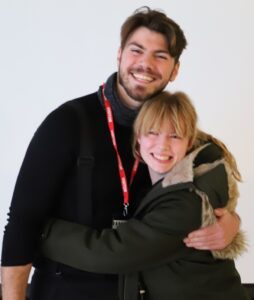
(155, 20)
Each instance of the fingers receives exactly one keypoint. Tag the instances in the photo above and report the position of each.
(216, 236)
(200, 245)
(211, 242)
(212, 231)
(209, 238)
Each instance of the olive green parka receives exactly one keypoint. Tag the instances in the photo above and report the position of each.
(148, 250)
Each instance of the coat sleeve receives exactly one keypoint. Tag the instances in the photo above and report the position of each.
(153, 240)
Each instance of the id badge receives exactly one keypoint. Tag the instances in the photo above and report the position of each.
(117, 222)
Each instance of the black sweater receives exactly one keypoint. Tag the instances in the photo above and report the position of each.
(46, 184)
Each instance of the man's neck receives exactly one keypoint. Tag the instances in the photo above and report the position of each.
(123, 114)
(126, 99)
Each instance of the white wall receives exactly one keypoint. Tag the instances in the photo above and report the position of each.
(55, 50)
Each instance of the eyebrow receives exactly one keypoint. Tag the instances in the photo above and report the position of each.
(135, 44)
(143, 48)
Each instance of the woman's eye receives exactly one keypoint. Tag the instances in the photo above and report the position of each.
(153, 132)
(174, 136)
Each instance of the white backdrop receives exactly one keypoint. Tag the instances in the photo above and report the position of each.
(55, 50)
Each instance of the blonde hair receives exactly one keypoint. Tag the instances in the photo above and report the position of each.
(179, 110)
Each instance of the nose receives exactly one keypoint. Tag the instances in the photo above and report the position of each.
(164, 142)
(146, 61)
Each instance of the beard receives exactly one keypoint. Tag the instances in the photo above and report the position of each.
(138, 93)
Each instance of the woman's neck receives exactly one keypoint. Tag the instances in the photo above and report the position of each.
(155, 176)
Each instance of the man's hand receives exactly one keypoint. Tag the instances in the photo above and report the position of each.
(14, 282)
(217, 236)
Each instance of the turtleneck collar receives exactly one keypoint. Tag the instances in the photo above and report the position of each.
(123, 115)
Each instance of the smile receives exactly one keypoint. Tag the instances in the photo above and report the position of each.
(142, 77)
(161, 157)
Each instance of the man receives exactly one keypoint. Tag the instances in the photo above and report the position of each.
(148, 59)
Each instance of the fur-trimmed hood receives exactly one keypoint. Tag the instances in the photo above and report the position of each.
(184, 170)
(188, 171)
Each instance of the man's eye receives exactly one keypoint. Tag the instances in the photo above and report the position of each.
(163, 57)
(136, 51)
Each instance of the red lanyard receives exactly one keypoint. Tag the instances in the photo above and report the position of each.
(122, 174)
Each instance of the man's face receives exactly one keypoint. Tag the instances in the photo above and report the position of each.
(144, 65)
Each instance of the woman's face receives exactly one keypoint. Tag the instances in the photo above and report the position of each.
(162, 149)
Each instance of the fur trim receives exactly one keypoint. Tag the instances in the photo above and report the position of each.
(232, 189)
(236, 248)
(184, 172)
(239, 244)
(204, 168)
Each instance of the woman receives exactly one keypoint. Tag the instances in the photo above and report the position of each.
(192, 173)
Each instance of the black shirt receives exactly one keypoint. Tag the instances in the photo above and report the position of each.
(46, 184)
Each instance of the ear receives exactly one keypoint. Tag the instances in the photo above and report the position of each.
(119, 55)
(174, 72)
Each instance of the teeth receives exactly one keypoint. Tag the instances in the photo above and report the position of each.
(161, 157)
(142, 77)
